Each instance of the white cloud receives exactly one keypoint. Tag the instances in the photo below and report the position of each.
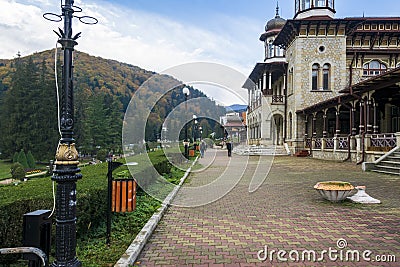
(22, 28)
(144, 39)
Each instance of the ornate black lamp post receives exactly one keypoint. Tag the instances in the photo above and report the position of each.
(186, 92)
(194, 129)
(66, 171)
(201, 132)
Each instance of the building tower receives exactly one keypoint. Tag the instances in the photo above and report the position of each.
(314, 8)
(315, 45)
(272, 28)
(266, 87)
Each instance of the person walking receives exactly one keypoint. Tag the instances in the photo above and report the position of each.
(229, 147)
(203, 148)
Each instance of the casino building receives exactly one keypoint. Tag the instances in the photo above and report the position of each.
(327, 87)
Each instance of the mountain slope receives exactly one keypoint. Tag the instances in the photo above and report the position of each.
(103, 89)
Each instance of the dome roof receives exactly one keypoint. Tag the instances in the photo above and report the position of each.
(276, 23)
(273, 26)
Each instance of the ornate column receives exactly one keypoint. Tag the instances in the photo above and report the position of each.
(324, 131)
(337, 133)
(376, 127)
(265, 82)
(368, 116)
(270, 82)
(361, 131)
(352, 121)
(305, 129)
(314, 122)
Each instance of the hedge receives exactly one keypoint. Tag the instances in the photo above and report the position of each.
(16, 200)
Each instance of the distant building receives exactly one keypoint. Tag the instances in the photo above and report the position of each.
(327, 85)
(234, 124)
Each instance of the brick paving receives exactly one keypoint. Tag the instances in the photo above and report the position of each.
(285, 213)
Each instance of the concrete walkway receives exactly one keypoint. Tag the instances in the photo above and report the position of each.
(285, 213)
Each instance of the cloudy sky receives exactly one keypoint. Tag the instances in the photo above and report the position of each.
(160, 34)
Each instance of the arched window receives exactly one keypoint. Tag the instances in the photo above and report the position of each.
(315, 70)
(374, 68)
(326, 71)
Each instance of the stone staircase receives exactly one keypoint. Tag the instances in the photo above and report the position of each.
(390, 164)
(271, 150)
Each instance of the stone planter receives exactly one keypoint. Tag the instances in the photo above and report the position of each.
(334, 191)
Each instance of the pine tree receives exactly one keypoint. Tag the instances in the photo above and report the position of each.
(30, 160)
(28, 112)
(22, 159)
(15, 157)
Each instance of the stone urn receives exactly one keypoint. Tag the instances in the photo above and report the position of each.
(334, 191)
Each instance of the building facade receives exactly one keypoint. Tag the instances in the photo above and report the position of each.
(326, 85)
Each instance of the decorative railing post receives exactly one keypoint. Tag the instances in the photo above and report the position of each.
(358, 145)
(336, 143)
(353, 143)
(367, 141)
(398, 139)
(323, 143)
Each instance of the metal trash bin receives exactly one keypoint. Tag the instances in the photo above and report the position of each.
(123, 195)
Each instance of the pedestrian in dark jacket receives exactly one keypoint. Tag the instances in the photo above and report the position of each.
(203, 148)
(229, 147)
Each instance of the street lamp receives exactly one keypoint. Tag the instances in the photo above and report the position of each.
(194, 129)
(201, 132)
(186, 92)
(66, 171)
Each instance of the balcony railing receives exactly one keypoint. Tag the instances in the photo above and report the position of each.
(383, 140)
(318, 143)
(329, 143)
(308, 142)
(343, 142)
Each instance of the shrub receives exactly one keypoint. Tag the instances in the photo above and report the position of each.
(18, 171)
(102, 154)
(91, 206)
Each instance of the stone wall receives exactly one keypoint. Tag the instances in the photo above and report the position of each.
(341, 155)
(331, 155)
(301, 55)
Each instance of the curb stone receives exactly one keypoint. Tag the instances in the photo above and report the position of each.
(133, 251)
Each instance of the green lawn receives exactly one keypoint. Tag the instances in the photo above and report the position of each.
(91, 247)
(4, 170)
